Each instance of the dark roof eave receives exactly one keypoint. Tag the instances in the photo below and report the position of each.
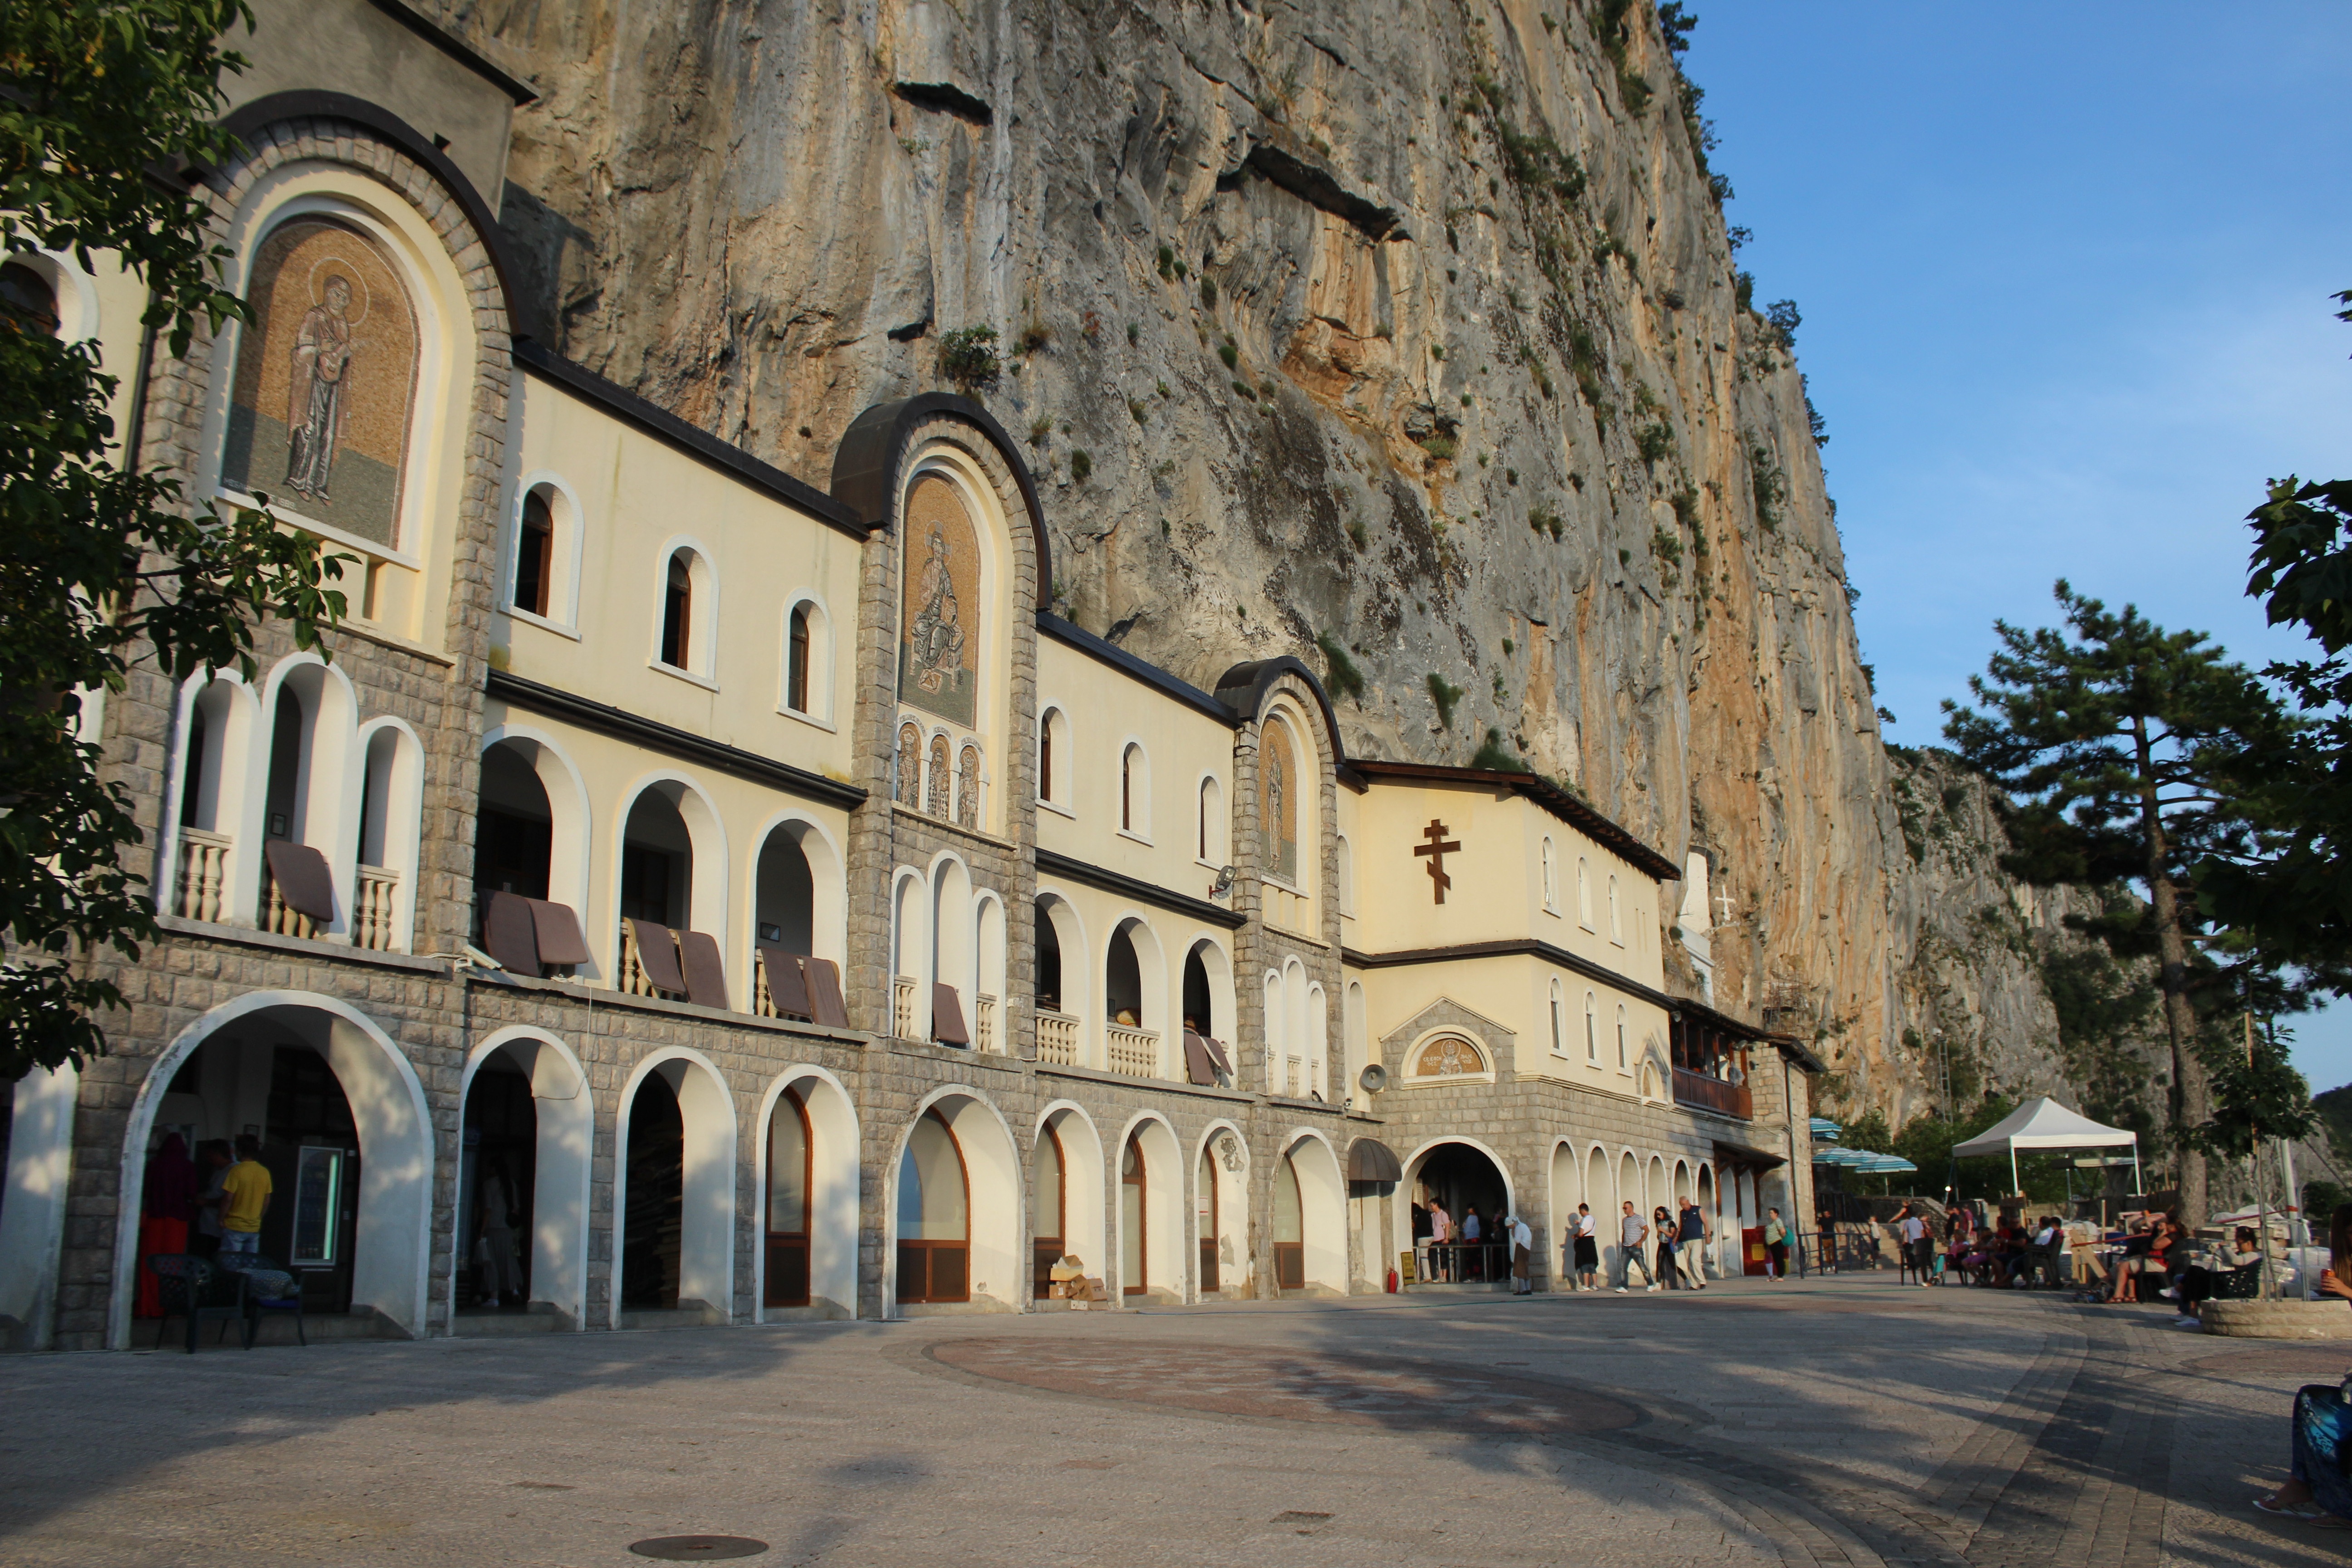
(1551, 797)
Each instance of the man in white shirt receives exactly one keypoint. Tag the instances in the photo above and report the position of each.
(1914, 1243)
(1523, 1248)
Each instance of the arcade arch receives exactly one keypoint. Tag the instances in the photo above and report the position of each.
(525, 1159)
(373, 1239)
(674, 1189)
(1065, 1195)
(809, 1191)
(1152, 1229)
(955, 1200)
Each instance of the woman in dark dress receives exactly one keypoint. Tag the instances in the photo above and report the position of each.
(2318, 1491)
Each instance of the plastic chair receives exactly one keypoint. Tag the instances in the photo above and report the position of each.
(192, 1289)
(253, 1264)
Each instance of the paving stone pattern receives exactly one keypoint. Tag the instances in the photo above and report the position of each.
(1834, 1422)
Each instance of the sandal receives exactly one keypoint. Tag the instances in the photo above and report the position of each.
(2304, 1513)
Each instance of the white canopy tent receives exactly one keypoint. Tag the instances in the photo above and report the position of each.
(2043, 1123)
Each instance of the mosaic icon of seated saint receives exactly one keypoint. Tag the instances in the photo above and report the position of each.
(938, 631)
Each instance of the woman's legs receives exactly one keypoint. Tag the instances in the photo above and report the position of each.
(2320, 1425)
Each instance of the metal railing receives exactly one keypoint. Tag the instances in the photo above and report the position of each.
(378, 895)
(1057, 1039)
(1462, 1262)
(204, 875)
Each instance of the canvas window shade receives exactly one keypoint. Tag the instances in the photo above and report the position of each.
(947, 1016)
(302, 877)
(825, 1005)
(657, 953)
(1198, 1066)
(510, 934)
(561, 941)
(705, 972)
(786, 987)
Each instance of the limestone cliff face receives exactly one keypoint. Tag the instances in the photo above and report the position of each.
(1411, 329)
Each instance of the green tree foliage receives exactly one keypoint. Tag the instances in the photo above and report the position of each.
(2111, 739)
(2257, 1095)
(104, 100)
(2288, 882)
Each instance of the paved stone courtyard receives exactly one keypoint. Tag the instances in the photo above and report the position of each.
(1841, 1421)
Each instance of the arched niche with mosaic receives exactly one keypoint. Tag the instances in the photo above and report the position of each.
(1445, 1056)
(940, 610)
(1278, 785)
(326, 380)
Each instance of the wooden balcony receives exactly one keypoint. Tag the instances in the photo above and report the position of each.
(1700, 1092)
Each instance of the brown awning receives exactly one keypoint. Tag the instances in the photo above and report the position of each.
(705, 972)
(786, 989)
(825, 1005)
(560, 942)
(947, 1016)
(657, 954)
(1217, 1054)
(302, 877)
(509, 934)
(1370, 1160)
(1198, 1066)
(1737, 1155)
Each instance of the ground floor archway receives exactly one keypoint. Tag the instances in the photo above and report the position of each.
(343, 1130)
(674, 1193)
(955, 1205)
(1461, 1178)
(521, 1238)
(807, 1258)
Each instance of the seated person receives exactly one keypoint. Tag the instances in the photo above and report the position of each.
(2136, 1239)
(2195, 1283)
(2316, 1490)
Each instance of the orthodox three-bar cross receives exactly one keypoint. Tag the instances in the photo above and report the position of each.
(1438, 847)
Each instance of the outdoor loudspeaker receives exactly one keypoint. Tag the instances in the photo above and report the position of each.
(1374, 1079)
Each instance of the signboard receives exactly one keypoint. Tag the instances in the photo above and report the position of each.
(318, 1198)
(1404, 1267)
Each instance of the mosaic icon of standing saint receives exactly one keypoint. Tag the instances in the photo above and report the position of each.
(939, 624)
(326, 380)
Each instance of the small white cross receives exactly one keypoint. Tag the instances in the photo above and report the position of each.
(1723, 908)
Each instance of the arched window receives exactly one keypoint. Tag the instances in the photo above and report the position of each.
(1053, 757)
(1131, 1209)
(1558, 1024)
(935, 795)
(1347, 869)
(1049, 1203)
(788, 1204)
(967, 787)
(1289, 1230)
(1616, 930)
(1134, 792)
(796, 660)
(28, 297)
(1551, 877)
(1621, 1038)
(1210, 839)
(677, 613)
(1591, 1028)
(934, 1216)
(910, 792)
(535, 553)
(1583, 894)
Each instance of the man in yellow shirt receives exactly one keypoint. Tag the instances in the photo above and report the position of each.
(245, 1192)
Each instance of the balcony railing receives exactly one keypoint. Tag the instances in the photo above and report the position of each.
(378, 894)
(282, 919)
(985, 1036)
(203, 869)
(902, 1006)
(1057, 1039)
(1135, 1052)
(1294, 1079)
(1701, 1093)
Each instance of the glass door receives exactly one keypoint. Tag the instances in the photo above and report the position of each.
(1205, 1204)
(1131, 1221)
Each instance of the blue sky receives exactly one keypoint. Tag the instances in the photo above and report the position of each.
(2065, 272)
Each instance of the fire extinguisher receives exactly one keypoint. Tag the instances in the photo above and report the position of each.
(1392, 1282)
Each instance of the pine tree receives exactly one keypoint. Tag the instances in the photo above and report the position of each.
(2112, 740)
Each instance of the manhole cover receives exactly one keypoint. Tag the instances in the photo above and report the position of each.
(698, 1548)
(1288, 1385)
